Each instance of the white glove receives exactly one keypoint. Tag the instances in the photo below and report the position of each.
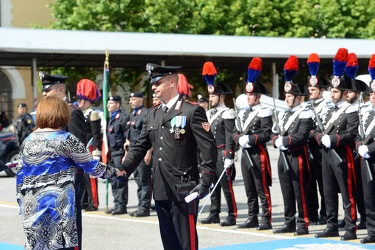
(228, 163)
(326, 141)
(363, 151)
(244, 141)
(96, 158)
(279, 142)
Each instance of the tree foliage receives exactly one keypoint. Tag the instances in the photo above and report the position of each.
(271, 18)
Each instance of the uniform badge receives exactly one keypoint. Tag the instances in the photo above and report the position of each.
(206, 126)
(313, 81)
(249, 87)
(28, 121)
(117, 116)
(335, 81)
(287, 86)
(110, 129)
(211, 89)
(372, 85)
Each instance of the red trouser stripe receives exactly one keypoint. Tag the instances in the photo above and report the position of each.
(266, 167)
(192, 229)
(302, 190)
(351, 179)
(230, 184)
(94, 191)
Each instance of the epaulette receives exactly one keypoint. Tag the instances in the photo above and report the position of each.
(192, 103)
(265, 112)
(366, 109)
(330, 105)
(94, 116)
(306, 113)
(229, 114)
(306, 105)
(352, 108)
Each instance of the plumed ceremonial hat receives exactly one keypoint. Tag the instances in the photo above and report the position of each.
(157, 72)
(253, 71)
(183, 86)
(339, 80)
(49, 80)
(313, 80)
(371, 71)
(290, 70)
(87, 90)
(209, 74)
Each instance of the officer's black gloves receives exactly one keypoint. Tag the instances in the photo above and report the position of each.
(201, 189)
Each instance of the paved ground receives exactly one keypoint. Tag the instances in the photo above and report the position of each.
(102, 231)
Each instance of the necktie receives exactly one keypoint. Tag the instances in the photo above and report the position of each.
(165, 109)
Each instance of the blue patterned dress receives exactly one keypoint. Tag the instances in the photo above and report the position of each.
(45, 187)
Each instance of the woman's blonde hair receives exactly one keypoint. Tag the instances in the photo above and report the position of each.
(52, 112)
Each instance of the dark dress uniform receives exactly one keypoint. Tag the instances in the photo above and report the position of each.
(116, 134)
(93, 131)
(175, 167)
(316, 172)
(341, 178)
(142, 175)
(25, 125)
(368, 118)
(222, 120)
(295, 125)
(257, 124)
(76, 127)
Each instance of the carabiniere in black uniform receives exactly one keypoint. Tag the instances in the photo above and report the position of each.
(256, 129)
(175, 138)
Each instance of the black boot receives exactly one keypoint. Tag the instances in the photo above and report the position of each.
(284, 229)
(229, 221)
(328, 232)
(211, 219)
(250, 223)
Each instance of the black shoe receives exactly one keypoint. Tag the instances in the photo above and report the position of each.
(362, 224)
(349, 235)
(284, 229)
(249, 224)
(301, 231)
(327, 233)
(322, 220)
(368, 239)
(229, 221)
(211, 219)
(264, 226)
(139, 213)
(120, 210)
(90, 209)
(109, 211)
(341, 223)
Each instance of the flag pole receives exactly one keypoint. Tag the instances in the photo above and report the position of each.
(105, 148)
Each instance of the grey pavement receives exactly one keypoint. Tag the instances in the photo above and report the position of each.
(102, 231)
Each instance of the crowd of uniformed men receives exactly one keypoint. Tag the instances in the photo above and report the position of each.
(325, 146)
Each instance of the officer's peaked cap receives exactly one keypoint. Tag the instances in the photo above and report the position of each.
(49, 80)
(115, 98)
(136, 94)
(157, 72)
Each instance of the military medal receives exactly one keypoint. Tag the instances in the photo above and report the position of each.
(183, 124)
(173, 124)
(177, 130)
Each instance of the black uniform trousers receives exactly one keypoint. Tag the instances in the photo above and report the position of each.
(119, 184)
(177, 226)
(369, 197)
(340, 179)
(142, 176)
(257, 181)
(226, 183)
(79, 185)
(359, 188)
(294, 187)
(316, 177)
